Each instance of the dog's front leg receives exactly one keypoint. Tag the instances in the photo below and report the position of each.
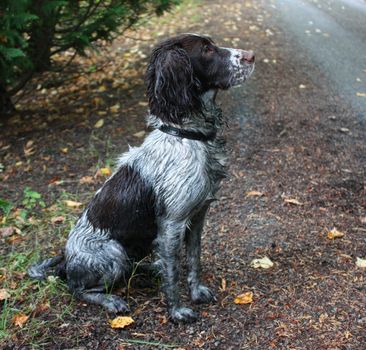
(170, 246)
(199, 292)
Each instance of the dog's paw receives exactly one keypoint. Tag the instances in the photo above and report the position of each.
(183, 314)
(115, 304)
(202, 295)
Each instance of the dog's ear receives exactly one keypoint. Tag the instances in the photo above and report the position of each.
(171, 87)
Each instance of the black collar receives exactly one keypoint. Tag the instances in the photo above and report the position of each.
(186, 134)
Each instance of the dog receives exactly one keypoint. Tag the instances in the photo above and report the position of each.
(158, 197)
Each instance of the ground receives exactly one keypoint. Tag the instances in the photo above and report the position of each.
(297, 170)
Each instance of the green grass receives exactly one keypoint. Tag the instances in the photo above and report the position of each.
(35, 236)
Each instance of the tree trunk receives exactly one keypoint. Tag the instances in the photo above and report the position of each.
(6, 106)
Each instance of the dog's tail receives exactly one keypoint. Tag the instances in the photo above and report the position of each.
(39, 270)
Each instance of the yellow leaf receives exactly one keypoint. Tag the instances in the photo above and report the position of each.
(121, 322)
(99, 124)
(143, 104)
(4, 294)
(20, 319)
(361, 263)
(115, 108)
(264, 263)
(73, 204)
(292, 201)
(102, 88)
(64, 150)
(254, 194)
(245, 298)
(361, 94)
(334, 233)
(105, 171)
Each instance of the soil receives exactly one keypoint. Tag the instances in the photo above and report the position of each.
(292, 138)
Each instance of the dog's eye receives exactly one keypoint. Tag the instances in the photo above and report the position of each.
(207, 49)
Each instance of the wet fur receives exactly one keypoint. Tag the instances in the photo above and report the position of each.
(158, 197)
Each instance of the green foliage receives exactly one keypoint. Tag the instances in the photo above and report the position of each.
(32, 31)
(5, 207)
(31, 199)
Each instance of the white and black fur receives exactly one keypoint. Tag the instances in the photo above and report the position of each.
(158, 197)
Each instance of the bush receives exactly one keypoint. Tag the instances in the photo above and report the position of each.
(32, 31)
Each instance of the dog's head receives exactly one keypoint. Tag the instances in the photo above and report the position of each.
(182, 68)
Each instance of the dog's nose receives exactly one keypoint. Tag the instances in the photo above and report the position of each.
(248, 56)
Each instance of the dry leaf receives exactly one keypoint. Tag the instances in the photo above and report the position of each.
(223, 284)
(86, 180)
(139, 134)
(292, 201)
(73, 204)
(58, 219)
(99, 124)
(361, 94)
(115, 108)
(334, 233)
(245, 298)
(254, 194)
(20, 319)
(302, 86)
(264, 263)
(144, 104)
(361, 263)
(7, 231)
(121, 322)
(4, 294)
(105, 171)
(64, 150)
(41, 308)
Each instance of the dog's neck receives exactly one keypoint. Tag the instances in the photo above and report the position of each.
(209, 120)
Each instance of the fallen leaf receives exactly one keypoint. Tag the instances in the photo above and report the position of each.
(105, 171)
(344, 130)
(361, 94)
(58, 219)
(361, 263)
(115, 108)
(4, 294)
(20, 319)
(254, 194)
(64, 150)
(99, 124)
(264, 263)
(144, 104)
(41, 308)
(86, 180)
(292, 201)
(121, 322)
(7, 231)
(223, 284)
(73, 204)
(302, 86)
(139, 134)
(245, 298)
(334, 233)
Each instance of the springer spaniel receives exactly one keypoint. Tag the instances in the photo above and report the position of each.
(160, 192)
